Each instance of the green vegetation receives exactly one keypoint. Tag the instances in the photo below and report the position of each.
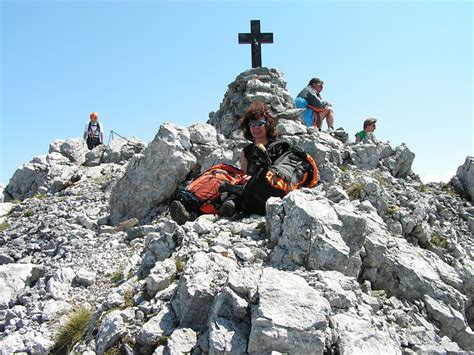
(445, 187)
(382, 181)
(27, 213)
(114, 350)
(439, 241)
(40, 196)
(116, 277)
(423, 188)
(355, 190)
(391, 209)
(344, 168)
(180, 265)
(128, 296)
(72, 332)
(4, 226)
(162, 341)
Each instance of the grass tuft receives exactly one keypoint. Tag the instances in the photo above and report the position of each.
(72, 332)
(4, 226)
(439, 241)
(355, 190)
(128, 296)
(163, 340)
(180, 265)
(116, 277)
(40, 196)
(114, 350)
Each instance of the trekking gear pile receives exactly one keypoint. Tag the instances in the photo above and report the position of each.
(222, 189)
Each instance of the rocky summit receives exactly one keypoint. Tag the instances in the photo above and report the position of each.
(370, 261)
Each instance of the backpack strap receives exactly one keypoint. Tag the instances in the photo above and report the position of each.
(89, 130)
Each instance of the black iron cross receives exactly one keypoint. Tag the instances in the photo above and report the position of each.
(255, 38)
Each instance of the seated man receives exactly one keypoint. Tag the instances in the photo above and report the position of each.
(316, 109)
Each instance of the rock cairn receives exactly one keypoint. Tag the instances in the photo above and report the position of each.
(369, 261)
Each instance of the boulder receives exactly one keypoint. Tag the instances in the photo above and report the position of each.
(315, 233)
(202, 279)
(14, 278)
(73, 149)
(464, 178)
(112, 328)
(151, 178)
(28, 180)
(400, 162)
(290, 317)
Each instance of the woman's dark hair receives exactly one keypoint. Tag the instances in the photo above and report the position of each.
(259, 109)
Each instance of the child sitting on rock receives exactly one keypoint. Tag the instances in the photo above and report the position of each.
(369, 127)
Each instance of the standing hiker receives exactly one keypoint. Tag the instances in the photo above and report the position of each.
(94, 131)
(316, 109)
(369, 127)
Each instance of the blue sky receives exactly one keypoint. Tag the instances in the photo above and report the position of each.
(141, 63)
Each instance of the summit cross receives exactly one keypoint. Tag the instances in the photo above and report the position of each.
(255, 38)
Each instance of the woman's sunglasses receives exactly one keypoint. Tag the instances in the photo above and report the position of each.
(257, 123)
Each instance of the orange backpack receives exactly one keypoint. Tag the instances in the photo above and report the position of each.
(205, 187)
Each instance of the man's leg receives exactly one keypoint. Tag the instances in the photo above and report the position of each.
(328, 115)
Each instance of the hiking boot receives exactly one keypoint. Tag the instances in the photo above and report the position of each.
(179, 214)
(227, 208)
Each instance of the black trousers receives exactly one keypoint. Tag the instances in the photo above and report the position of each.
(92, 142)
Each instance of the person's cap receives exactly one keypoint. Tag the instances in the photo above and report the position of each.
(371, 120)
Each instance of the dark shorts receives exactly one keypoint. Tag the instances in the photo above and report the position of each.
(92, 142)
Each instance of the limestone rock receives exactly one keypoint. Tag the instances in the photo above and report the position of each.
(27, 180)
(360, 336)
(202, 279)
(291, 317)
(153, 177)
(14, 278)
(73, 149)
(181, 341)
(464, 179)
(112, 328)
(160, 276)
(317, 235)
